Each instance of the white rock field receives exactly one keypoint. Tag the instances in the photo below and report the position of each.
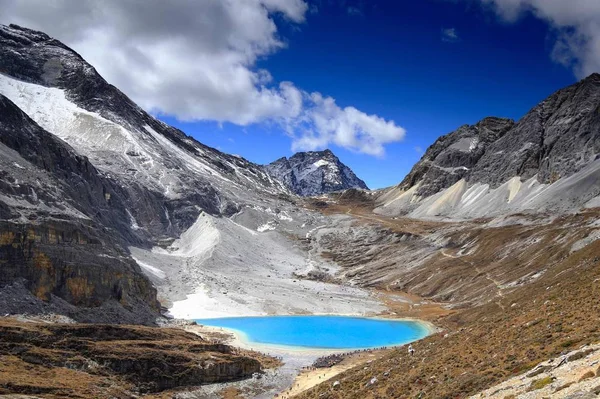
(221, 268)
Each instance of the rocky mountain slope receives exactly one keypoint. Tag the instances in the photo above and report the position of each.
(66, 96)
(314, 173)
(124, 179)
(161, 209)
(489, 344)
(62, 226)
(547, 161)
(453, 156)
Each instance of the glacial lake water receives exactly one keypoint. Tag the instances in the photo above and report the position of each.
(322, 332)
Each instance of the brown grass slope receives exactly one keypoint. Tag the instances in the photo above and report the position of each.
(522, 321)
(462, 263)
(107, 361)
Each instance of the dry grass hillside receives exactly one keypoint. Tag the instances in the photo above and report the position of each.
(463, 263)
(526, 289)
(108, 361)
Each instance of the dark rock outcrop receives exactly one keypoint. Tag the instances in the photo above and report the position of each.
(314, 173)
(557, 138)
(453, 156)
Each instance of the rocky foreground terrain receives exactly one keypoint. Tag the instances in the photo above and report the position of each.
(109, 361)
(108, 215)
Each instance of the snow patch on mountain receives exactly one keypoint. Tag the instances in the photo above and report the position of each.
(50, 109)
(269, 226)
(321, 162)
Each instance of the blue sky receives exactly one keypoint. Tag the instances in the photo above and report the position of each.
(393, 59)
(376, 81)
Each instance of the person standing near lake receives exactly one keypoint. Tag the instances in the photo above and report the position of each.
(411, 350)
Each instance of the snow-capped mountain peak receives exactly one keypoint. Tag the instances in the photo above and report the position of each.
(314, 173)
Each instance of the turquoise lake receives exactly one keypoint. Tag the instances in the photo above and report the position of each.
(323, 332)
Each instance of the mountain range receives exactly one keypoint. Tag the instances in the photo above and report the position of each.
(86, 168)
(111, 174)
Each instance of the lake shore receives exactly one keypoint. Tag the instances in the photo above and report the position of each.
(239, 339)
(297, 374)
(294, 377)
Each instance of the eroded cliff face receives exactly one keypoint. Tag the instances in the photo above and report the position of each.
(63, 225)
(74, 263)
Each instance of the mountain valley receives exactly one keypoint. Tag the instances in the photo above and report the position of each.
(114, 221)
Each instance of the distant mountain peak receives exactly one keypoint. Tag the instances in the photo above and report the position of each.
(314, 173)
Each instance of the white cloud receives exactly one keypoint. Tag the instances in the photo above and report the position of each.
(576, 24)
(196, 60)
(450, 35)
(323, 122)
